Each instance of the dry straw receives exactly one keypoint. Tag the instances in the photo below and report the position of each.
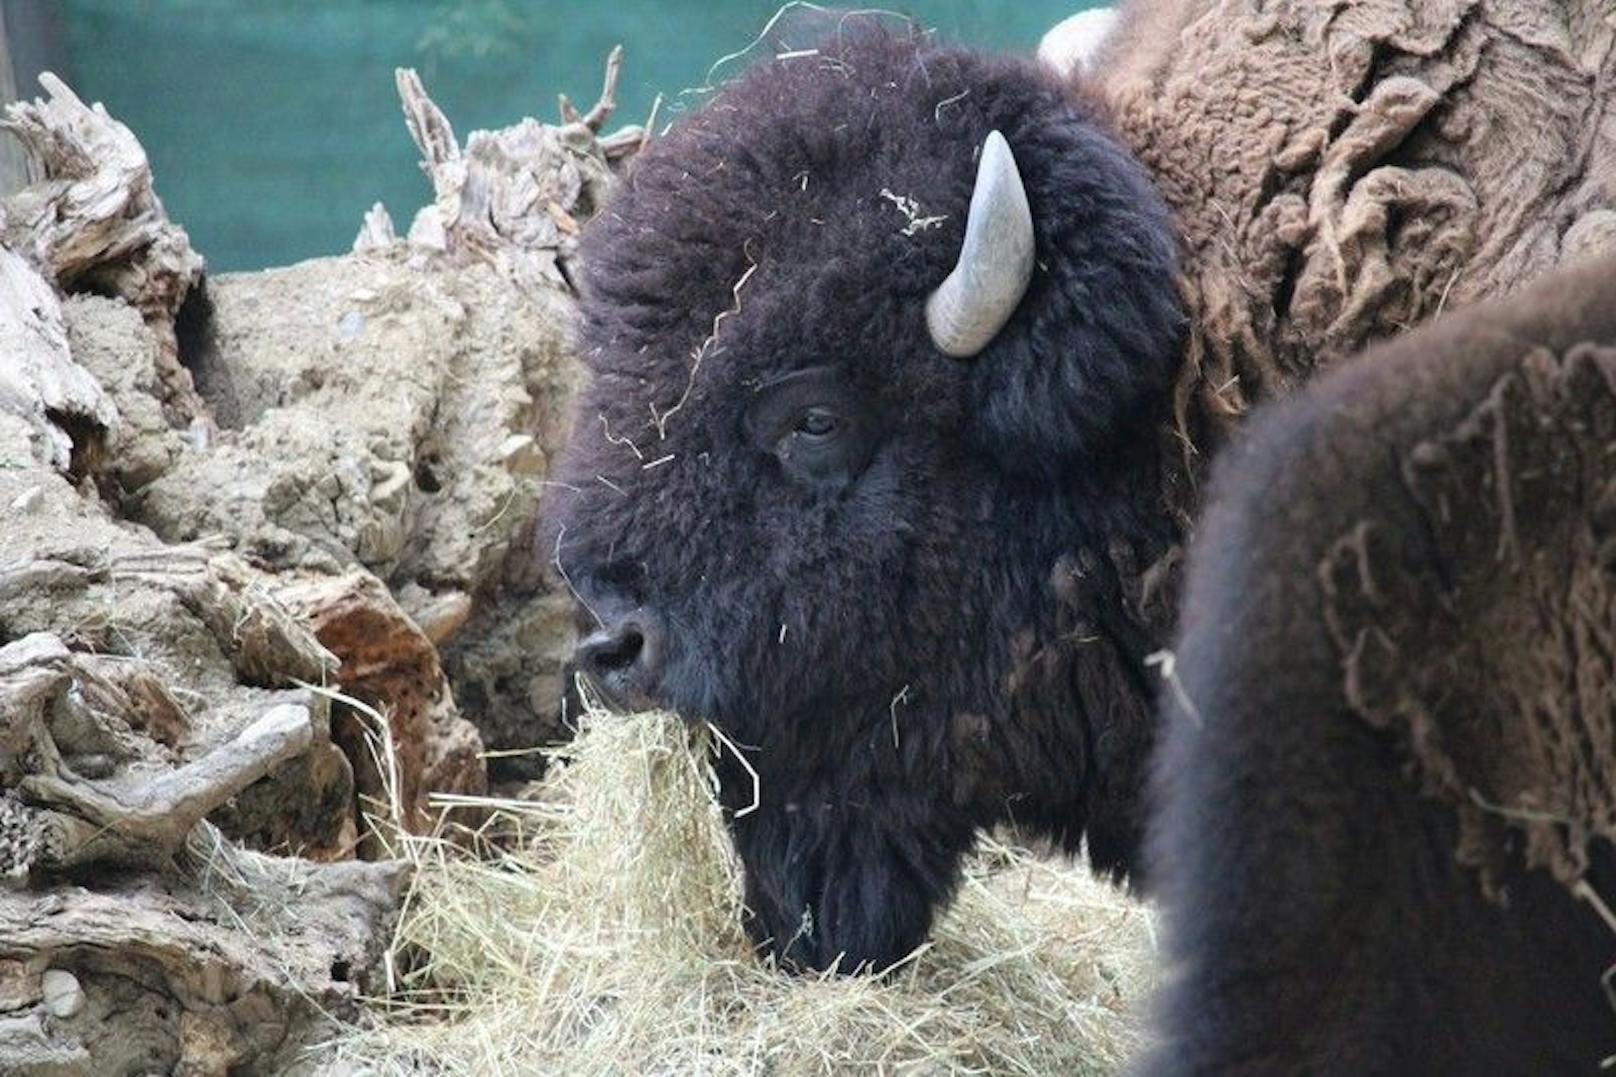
(602, 935)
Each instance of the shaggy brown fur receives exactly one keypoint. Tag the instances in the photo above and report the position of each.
(1399, 662)
(1344, 171)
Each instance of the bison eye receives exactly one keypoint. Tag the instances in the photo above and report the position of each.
(816, 424)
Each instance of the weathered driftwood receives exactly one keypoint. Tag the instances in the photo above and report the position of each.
(380, 415)
(39, 381)
(358, 463)
(231, 968)
(516, 200)
(516, 197)
(70, 715)
(138, 818)
(43, 684)
(262, 641)
(95, 222)
(87, 780)
(128, 656)
(193, 953)
(32, 671)
(390, 665)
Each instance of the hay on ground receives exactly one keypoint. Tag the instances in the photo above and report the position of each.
(607, 938)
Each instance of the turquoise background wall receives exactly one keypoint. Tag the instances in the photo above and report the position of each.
(273, 125)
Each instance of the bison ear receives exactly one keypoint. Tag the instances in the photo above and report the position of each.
(995, 262)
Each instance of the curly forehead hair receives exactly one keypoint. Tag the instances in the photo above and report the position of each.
(849, 165)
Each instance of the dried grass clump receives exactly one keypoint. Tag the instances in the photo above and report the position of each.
(608, 939)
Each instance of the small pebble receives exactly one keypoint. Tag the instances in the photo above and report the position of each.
(63, 995)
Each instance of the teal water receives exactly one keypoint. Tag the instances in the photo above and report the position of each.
(272, 125)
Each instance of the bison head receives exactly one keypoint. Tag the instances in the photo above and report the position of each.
(859, 475)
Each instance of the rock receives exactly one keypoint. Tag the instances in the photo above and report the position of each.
(64, 997)
(386, 443)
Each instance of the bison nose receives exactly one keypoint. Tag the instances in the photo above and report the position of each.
(624, 658)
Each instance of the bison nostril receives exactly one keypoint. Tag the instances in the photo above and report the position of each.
(621, 651)
(623, 657)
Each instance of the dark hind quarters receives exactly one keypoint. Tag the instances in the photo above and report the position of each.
(1397, 574)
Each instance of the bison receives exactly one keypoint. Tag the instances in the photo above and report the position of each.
(1387, 784)
(856, 477)
(883, 470)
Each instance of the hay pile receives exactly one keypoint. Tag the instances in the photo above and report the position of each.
(602, 934)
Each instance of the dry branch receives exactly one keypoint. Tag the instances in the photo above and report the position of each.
(603, 108)
(142, 822)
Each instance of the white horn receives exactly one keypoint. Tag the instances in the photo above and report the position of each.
(995, 264)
